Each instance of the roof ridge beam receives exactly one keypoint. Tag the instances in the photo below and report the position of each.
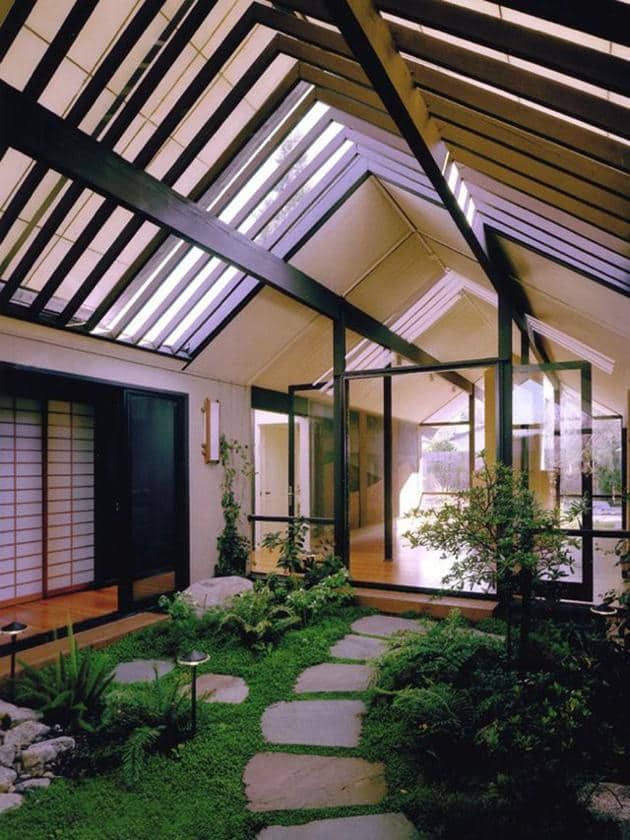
(371, 39)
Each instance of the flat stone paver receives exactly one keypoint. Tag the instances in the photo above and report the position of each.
(280, 781)
(220, 688)
(357, 647)
(317, 723)
(142, 670)
(385, 625)
(334, 676)
(371, 827)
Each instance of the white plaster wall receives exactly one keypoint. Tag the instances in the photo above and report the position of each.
(40, 347)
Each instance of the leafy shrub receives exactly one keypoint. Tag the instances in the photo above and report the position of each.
(324, 597)
(500, 746)
(318, 569)
(292, 545)
(232, 546)
(71, 692)
(257, 619)
(178, 606)
(153, 718)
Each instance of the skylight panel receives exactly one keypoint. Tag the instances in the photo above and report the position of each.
(176, 307)
(106, 326)
(273, 162)
(326, 137)
(267, 142)
(163, 291)
(201, 306)
(304, 190)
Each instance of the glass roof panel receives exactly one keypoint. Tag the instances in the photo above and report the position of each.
(273, 162)
(201, 306)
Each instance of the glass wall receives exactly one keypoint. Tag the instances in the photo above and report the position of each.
(438, 432)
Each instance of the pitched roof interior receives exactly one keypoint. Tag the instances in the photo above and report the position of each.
(263, 116)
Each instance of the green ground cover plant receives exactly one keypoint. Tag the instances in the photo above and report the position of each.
(486, 752)
(192, 791)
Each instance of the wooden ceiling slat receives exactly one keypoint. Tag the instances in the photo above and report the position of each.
(559, 178)
(571, 58)
(527, 185)
(75, 21)
(13, 22)
(577, 104)
(608, 19)
(84, 102)
(115, 130)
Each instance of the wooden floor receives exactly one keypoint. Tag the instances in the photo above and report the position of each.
(96, 637)
(409, 566)
(52, 613)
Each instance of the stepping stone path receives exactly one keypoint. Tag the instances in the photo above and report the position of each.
(277, 781)
(220, 688)
(318, 723)
(358, 647)
(373, 827)
(385, 625)
(142, 670)
(333, 676)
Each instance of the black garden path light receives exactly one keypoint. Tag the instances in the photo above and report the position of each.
(605, 608)
(13, 630)
(192, 660)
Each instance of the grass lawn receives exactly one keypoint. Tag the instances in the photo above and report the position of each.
(197, 792)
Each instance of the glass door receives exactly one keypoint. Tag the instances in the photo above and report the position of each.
(156, 502)
(553, 443)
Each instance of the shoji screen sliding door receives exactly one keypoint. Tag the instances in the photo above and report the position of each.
(46, 497)
(21, 499)
(70, 495)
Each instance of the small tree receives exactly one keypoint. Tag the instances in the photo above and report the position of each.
(498, 537)
(233, 547)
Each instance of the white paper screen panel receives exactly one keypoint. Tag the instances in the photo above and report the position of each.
(21, 498)
(70, 491)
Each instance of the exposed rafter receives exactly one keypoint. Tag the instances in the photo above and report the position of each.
(37, 132)
(364, 28)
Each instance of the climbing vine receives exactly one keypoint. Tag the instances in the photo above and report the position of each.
(233, 547)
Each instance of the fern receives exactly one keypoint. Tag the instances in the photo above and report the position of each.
(139, 745)
(72, 692)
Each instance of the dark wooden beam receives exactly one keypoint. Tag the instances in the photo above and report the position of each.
(372, 44)
(570, 57)
(550, 94)
(35, 131)
(609, 19)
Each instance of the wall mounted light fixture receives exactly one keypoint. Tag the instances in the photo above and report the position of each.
(210, 411)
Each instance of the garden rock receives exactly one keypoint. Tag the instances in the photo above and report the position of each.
(333, 676)
(16, 714)
(142, 670)
(318, 723)
(9, 800)
(36, 757)
(281, 781)
(214, 592)
(612, 801)
(358, 647)
(7, 756)
(29, 785)
(25, 734)
(371, 827)
(220, 688)
(7, 777)
(385, 625)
